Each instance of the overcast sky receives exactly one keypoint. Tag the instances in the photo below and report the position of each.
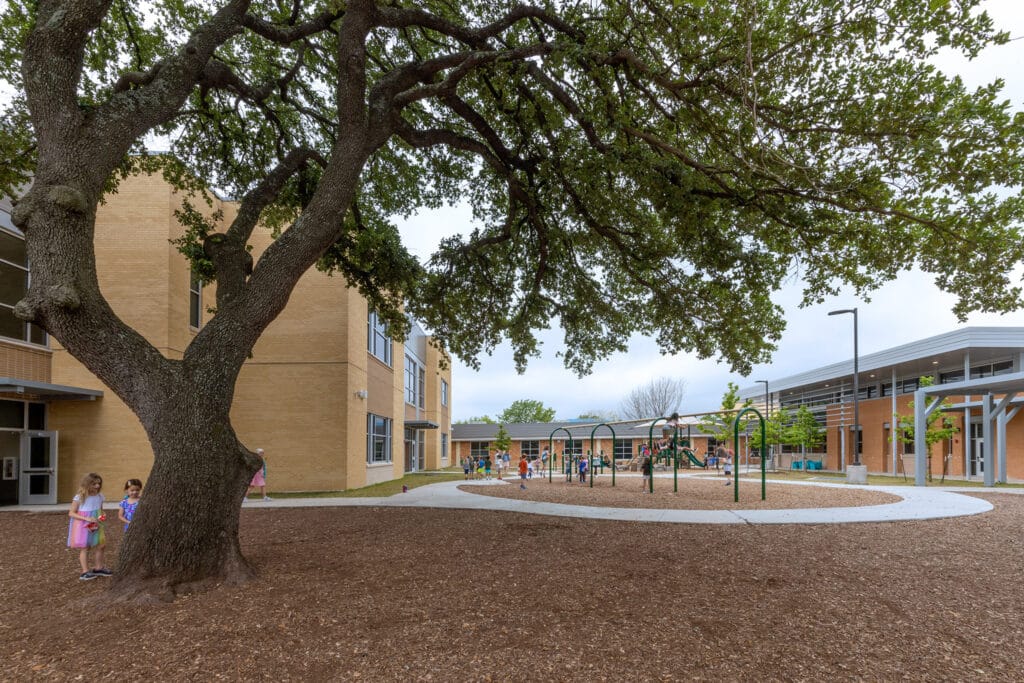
(903, 311)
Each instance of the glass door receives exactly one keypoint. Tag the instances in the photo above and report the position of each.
(38, 468)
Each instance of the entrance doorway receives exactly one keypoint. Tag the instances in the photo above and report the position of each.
(976, 466)
(415, 453)
(38, 479)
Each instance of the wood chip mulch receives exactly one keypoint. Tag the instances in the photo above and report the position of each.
(402, 594)
(694, 493)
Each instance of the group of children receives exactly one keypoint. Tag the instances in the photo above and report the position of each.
(85, 529)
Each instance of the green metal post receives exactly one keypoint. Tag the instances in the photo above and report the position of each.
(592, 432)
(736, 446)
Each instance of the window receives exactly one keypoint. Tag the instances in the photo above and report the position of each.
(378, 343)
(421, 392)
(14, 280)
(444, 393)
(444, 446)
(950, 377)
(575, 449)
(411, 373)
(378, 439)
(991, 369)
(478, 449)
(195, 301)
(623, 448)
(529, 448)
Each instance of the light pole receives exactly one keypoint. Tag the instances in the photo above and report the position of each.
(767, 409)
(856, 388)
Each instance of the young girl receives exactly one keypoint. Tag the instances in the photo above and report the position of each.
(133, 493)
(85, 530)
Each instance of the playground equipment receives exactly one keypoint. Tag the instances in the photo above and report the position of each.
(551, 451)
(736, 449)
(591, 464)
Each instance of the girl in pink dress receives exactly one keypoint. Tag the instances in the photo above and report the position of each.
(259, 480)
(85, 530)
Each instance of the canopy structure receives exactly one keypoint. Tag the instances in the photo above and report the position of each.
(995, 415)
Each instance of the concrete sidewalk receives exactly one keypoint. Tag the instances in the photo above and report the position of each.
(916, 503)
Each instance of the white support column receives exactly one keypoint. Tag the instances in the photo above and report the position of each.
(987, 416)
(1001, 420)
(894, 433)
(967, 420)
(920, 424)
(1001, 440)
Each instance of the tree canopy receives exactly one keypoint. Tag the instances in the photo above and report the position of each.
(652, 167)
(527, 410)
(647, 168)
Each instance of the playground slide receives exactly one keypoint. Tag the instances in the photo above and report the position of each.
(694, 460)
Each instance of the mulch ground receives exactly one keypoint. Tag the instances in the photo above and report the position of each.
(389, 594)
(694, 493)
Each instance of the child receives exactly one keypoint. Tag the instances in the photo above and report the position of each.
(583, 470)
(727, 467)
(259, 480)
(645, 470)
(126, 508)
(85, 530)
(529, 469)
(487, 467)
(523, 468)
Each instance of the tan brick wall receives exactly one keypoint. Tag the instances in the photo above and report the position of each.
(24, 362)
(296, 397)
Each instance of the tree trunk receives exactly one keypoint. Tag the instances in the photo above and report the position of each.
(184, 536)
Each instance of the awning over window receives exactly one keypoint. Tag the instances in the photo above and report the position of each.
(421, 424)
(46, 391)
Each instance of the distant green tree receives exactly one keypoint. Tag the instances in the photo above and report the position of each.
(502, 440)
(600, 416)
(775, 429)
(805, 432)
(938, 425)
(526, 410)
(719, 425)
(484, 419)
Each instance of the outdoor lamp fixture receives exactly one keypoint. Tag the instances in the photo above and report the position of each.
(767, 410)
(856, 387)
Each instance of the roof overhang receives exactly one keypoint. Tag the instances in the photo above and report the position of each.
(47, 391)
(1000, 384)
(421, 424)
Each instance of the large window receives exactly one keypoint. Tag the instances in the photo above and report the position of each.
(415, 381)
(378, 439)
(478, 449)
(444, 393)
(195, 301)
(14, 280)
(420, 388)
(378, 343)
(444, 446)
(623, 448)
(529, 448)
(991, 369)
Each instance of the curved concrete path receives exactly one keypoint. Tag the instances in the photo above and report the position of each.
(915, 503)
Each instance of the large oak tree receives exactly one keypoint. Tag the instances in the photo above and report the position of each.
(634, 166)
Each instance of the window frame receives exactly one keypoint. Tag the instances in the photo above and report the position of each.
(373, 437)
(30, 333)
(378, 343)
(195, 300)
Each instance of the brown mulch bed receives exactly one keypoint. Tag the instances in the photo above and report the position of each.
(396, 594)
(703, 493)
